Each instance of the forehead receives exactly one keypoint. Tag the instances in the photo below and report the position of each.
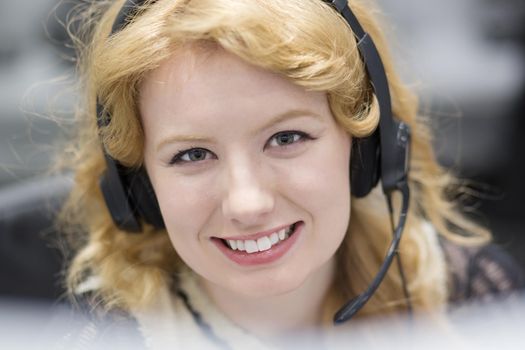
(196, 82)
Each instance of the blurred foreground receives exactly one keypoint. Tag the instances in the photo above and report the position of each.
(498, 325)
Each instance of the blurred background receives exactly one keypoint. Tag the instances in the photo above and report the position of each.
(465, 58)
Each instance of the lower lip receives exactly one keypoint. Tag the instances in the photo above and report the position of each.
(264, 257)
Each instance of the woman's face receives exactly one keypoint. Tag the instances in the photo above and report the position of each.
(250, 170)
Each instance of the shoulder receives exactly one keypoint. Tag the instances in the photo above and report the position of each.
(481, 273)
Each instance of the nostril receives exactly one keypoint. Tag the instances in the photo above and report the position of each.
(248, 208)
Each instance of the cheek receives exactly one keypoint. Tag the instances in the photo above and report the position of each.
(322, 188)
(186, 211)
(325, 179)
(185, 205)
(332, 203)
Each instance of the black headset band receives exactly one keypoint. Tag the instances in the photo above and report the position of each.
(394, 161)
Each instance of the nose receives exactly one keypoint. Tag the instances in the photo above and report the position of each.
(248, 197)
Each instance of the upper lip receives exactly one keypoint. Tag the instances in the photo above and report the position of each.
(257, 235)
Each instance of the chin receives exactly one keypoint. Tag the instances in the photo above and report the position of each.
(269, 284)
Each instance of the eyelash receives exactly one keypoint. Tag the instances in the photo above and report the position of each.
(177, 158)
(302, 136)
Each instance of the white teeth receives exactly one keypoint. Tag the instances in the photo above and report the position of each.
(233, 244)
(264, 243)
(261, 244)
(251, 246)
(240, 245)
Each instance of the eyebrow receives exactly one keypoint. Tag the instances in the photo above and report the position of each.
(181, 138)
(289, 114)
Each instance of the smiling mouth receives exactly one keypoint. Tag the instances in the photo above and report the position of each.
(263, 243)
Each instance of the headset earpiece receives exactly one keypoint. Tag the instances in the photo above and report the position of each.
(129, 197)
(116, 195)
(365, 165)
(143, 196)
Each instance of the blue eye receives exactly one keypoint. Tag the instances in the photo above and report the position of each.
(191, 155)
(286, 138)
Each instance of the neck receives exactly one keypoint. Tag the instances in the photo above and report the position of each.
(278, 317)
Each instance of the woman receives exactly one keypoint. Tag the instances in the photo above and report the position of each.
(239, 119)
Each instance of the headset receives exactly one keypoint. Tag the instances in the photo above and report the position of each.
(384, 156)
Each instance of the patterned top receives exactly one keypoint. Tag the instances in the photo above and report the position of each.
(481, 274)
